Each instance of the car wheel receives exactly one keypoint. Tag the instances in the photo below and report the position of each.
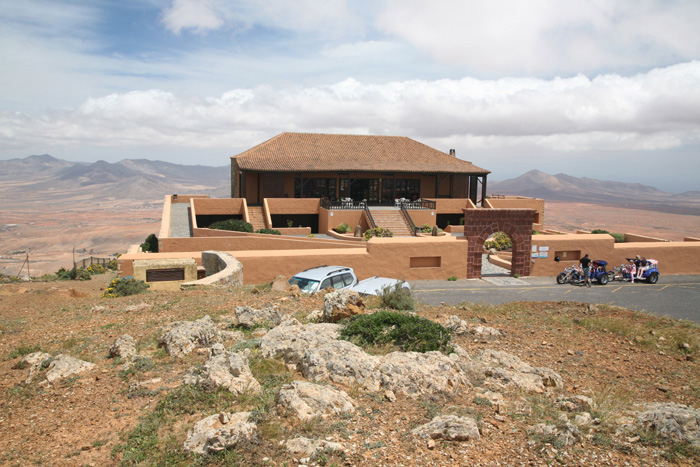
(653, 278)
(561, 278)
(603, 279)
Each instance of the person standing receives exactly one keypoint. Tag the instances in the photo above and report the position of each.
(586, 268)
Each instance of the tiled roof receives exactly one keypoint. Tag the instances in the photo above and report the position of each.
(312, 152)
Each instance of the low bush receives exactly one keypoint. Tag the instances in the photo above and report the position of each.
(377, 232)
(150, 245)
(426, 228)
(236, 225)
(268, 231)
(74, 274)
(500, 241)
(619, 237)
(397, 297)
(409, 333)
(343, 228)
(452, 278)
(122, 287)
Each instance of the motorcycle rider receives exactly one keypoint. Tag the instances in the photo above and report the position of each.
(586, 268)
(643, 266)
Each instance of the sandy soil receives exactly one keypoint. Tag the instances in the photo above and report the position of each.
(80, 421)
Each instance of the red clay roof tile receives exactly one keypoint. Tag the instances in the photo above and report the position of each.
(313, 152)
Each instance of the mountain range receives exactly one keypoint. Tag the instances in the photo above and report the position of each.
(562, 187)
(133, 179)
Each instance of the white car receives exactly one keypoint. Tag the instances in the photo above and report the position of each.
(340, 277)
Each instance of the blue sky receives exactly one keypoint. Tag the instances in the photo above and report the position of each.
(608, 89)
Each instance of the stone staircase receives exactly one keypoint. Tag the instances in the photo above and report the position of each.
(256, 217)
(393, 220)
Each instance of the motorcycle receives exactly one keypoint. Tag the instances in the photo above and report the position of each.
(650, 274)
(574, 276)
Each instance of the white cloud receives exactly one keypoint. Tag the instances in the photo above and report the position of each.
(200, 15)
(656, 110)
(547, 37)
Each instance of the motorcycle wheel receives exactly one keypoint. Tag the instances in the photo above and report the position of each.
(653, 278)
(561, 278)
(611, 276)
(603, 279)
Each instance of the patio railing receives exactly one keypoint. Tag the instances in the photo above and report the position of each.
(407, 216)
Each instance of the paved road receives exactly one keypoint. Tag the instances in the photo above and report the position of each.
(674, 296)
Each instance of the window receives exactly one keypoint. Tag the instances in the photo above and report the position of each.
(338, 282)
(405, 188)
(315, 188)
(325, 284)
(347, 280)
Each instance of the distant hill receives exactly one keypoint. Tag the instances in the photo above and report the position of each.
(562, 187)
(35, 176)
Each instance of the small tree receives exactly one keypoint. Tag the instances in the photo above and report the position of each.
(150, 245)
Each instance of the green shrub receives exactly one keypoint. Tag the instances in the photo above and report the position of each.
(268, 231)
(150, 245)
(21, 351)
(122, 286)
(619, 238)
(409, 333)
(74, 274)
(426, 228)
(452, 278)
(96, 269)
(397, 297)
(236, 225)
(500, 241)
(343, 228)
(377, 232)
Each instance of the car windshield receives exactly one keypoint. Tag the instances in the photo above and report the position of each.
(305, 285)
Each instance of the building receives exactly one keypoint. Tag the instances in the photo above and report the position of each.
(374, 169)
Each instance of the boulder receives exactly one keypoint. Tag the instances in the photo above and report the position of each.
(227, 369)
(341, 304)
(305, 447)
(35, 361)
(565, 435)
(250, 317)
(294, 291)
(416, 374)
(219, 432)
(485, 331)
(280, 284)
(181, 337)
(309, 400)
(450, 428)
(63, 366)
(457, 325)
(575, 404)
(510, 370)
(124, 347)
(672, 421)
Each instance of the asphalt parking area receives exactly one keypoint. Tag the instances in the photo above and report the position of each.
(676, 296)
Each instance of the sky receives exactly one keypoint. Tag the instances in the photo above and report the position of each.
(608, 89)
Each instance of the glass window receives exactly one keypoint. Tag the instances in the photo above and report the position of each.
(305, 285)
(325, 284)
(338, 282)
(347, 280)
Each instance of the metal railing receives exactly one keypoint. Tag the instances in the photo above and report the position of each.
(418, 204)
(372, 224)
(407, 217)
(338, 205)
(101, 260)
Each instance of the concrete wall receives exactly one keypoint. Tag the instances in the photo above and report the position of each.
(328, 220)
(673, 257)
(293, 206)
(222, 270)
(634, 238)
(403, 258)
(236, 241)
(139, 268)
(220, 206)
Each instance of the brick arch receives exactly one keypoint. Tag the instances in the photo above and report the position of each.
(480, 224)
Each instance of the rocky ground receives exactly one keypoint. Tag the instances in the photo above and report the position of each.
(534, 383)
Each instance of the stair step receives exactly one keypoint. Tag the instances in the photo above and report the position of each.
(256, 217)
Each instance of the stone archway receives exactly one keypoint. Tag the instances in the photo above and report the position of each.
(479, 224)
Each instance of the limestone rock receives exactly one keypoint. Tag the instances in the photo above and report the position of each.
(583, 419)
(485, 331)
(181, 337)
(315, 316)
(250, 317)
(124, 347)
(672, 421)
(509, 369)
(449, 427)
(63, 366)
(231, 335)
(565, 435)
(220, 431)
(305, 447)
(34, 361)
(457, 325)
(415, 374)
(341, 304)
(575, 404)
(227, 369)
(294, 291)
(280, 284)
(309, 400)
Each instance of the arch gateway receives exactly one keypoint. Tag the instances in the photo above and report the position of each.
(481, 223)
